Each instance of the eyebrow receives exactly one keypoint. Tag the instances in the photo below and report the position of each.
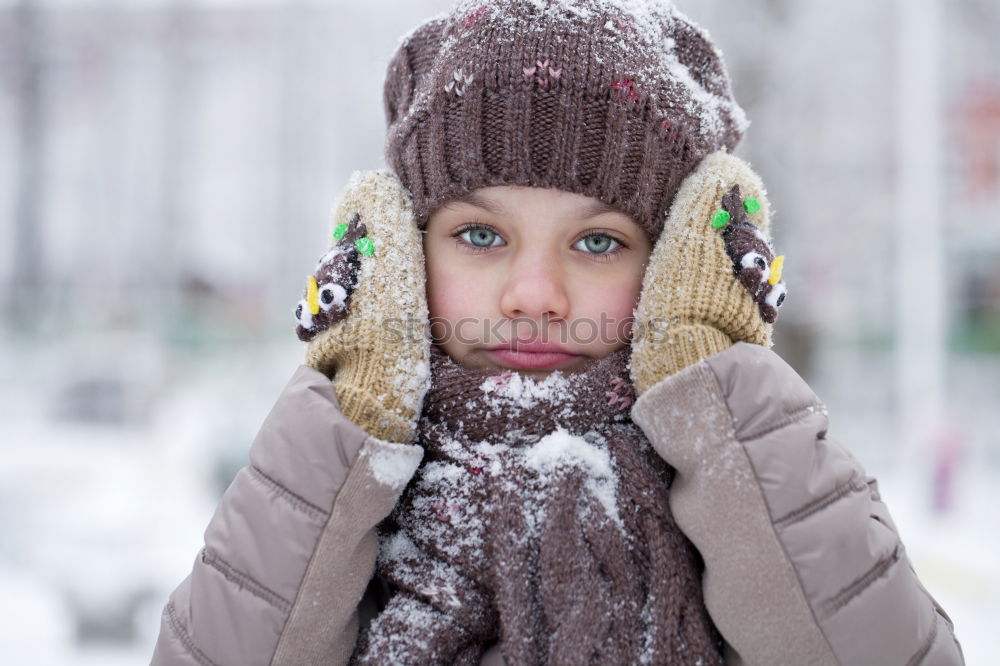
(589, 210)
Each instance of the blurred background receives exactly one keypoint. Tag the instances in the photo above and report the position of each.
(167, 168)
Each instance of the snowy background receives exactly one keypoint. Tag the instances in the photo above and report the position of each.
(166, 171)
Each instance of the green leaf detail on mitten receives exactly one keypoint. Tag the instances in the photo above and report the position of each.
(751, 205)
(366, 246)
(720, 218)
(339, 232)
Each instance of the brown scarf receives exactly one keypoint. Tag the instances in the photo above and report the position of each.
(538, 518)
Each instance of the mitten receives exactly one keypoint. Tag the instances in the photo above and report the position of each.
(712, 279)
(364, 313)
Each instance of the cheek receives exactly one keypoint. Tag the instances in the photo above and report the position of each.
(610, 300)
(444, 301)
(453, 293)
(616, 298)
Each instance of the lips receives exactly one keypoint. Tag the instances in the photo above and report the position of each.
(533, 355)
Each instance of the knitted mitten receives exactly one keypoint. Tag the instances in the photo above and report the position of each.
(364, 313)
(712, 279)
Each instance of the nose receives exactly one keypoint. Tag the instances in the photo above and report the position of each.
(535, 288)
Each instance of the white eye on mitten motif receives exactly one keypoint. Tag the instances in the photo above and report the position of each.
(756, 260)
(332, 295)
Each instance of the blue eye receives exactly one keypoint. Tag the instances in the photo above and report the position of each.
(481, 237)
(597, 244)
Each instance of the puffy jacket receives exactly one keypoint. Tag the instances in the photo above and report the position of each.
(803, 564)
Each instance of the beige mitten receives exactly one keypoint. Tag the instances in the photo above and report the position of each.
(712, 278)
(364, 313)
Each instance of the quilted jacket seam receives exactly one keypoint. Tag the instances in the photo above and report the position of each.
(175, 625)
(245, 581)
(789, 418)
(853, 589)
(292, 498)
(921, 654)
(774, 531)
(853, 485)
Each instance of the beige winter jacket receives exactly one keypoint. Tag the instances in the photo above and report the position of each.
(803, 564)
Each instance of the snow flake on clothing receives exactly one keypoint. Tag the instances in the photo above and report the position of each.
(561, 448)
(510, 390)
(392, 464)
(409, 378)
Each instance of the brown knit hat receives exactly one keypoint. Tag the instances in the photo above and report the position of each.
(613, 99)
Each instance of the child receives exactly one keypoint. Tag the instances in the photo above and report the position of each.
(565, 162)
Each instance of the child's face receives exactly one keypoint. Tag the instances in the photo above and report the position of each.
(532, 279)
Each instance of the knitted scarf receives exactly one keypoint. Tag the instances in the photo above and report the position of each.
(538, 518)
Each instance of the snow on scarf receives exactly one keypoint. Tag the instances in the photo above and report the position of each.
(538, 518)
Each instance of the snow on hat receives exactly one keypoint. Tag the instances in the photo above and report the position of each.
(613, 99)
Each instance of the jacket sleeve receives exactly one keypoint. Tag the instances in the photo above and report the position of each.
(291, 547)
(803, 564)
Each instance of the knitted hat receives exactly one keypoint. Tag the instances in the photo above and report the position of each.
(613, 99)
